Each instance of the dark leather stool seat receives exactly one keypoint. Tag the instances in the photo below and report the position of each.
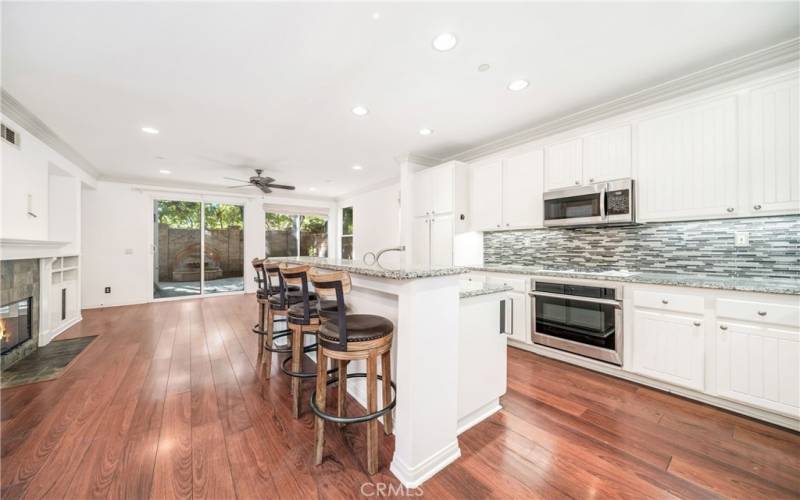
(291, 298)
(360, 328)
(296, 313)
(265, 294)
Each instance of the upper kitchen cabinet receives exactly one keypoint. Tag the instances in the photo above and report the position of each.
(607, 155)
(507, 193)
(687, 165)
(563, 165)
(522, 190)
(441, 190)
(773, 163)
(486, 196)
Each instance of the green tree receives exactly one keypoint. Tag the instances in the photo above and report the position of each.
(222, 216)
(179, 214)
(279, 222)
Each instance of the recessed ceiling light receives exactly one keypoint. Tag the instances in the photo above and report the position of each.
(517, 85)
(164, 171)
(358, 167)
(425, 131)
(312, 189)
(483, 67)
(376, 15)
(149, 130)
(445, 42)
(360, 111)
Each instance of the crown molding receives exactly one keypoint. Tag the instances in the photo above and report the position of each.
(16, 111)
(770, 57)
(425, 161)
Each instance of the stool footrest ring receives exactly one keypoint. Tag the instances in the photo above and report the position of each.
(308, 348)
(279, 350)
(353, 420)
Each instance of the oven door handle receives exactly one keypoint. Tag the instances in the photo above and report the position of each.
(615, 303)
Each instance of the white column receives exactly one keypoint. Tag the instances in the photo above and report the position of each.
(426, 374)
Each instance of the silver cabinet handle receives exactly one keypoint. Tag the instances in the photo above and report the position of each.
(756, 207)
(664, 301)
(723, 327)
(696, 323)
(577, 183)
(729, 209)
(762, 313)
(591, 180)
(498, 225)
(507, 224)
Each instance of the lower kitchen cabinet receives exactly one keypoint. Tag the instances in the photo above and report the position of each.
(759, 365)
(669, 346)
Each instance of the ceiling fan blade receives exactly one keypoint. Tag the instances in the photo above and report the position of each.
(237, 180)
(265, 189)
(280, 186)
(240, 186)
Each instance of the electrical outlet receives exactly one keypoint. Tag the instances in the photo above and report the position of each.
(741, 239)
(129, 251)
(108, 289)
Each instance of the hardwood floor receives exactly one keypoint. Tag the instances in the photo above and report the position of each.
(166, 404)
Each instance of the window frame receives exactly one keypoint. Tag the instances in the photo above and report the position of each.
(343, 235)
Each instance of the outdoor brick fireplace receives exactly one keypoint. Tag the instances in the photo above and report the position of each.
(19, 309)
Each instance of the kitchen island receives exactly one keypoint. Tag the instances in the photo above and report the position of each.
(423, 304)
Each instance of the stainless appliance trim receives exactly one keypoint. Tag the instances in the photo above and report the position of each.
(601, 188)
(611, 356)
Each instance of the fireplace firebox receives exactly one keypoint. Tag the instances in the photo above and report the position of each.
(15, 323)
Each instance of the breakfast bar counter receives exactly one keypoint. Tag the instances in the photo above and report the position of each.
(423, 304)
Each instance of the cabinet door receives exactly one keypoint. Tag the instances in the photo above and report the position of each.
(607, 155)
(519, 316)
(442, 182)
(522, 190)
(669, 347)
(774, 163)
(687, 165)
(421, 242)
(442, 240)
(486, 205)
(423, 192)
(562, 165)
(759, 365)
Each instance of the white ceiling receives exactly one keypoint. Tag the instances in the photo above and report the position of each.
(234, 86)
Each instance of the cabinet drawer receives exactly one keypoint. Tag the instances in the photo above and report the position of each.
(691, 304)
(519, 285)
(759, 312)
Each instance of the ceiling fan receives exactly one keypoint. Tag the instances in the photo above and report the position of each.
(263, 183)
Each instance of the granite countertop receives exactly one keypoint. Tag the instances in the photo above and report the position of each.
(376, 271)
(759, 285)
(483, 290)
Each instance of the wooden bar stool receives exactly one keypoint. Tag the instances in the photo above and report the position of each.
(278, 299)
(303, 318)
(348, 337)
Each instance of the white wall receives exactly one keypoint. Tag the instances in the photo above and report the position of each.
(376, 222)
(24, 171)
(118, 237)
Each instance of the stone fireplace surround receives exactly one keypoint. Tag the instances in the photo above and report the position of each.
(20, 279)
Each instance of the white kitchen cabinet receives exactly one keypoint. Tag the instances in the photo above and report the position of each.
(607, 155)
(773, 163)
(441, 240)
(507, 193)
(669, 346)
(759, 364)
(422, 203)
(563, 165)
(518, 306)
(421, 237)
(481, 359)
(486, 191)
(522, 188)
(687, 165)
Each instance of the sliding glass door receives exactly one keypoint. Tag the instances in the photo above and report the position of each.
(190, 261)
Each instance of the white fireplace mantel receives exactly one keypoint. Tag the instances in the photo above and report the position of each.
(15, 249)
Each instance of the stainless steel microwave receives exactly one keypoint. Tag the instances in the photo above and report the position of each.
(602, 203)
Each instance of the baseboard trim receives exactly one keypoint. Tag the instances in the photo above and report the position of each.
(46, 337)
(472, 419)
(590, 364)
(411, 477)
